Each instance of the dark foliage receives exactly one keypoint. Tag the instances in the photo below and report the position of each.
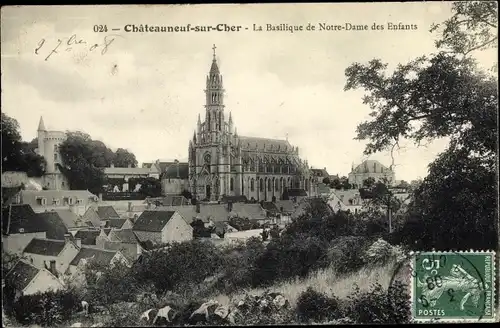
(313, 306)
(380, 306)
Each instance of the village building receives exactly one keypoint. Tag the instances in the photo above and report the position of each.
(51, 254)
(88, 237)
(119, 178)
(55, 226)
(370, 169)
(223, 163)
(159, 227)
(20, 224)
(77, 201)
(26, 279)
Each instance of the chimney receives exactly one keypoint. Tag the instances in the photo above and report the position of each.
(78, 242)
(53, 267)
(178, 176)
(197, 207)
(67, 237)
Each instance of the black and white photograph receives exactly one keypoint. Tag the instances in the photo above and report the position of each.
(249, 164)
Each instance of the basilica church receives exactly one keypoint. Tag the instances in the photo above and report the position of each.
(222, 163)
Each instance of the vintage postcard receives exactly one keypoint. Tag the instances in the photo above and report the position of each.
(249, 164)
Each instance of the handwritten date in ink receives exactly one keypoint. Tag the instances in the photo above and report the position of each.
(73, 42)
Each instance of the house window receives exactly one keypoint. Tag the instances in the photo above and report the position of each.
(55, 157)
(44, 201)
(56, 201)
(70, 201)
(79, 201)
(39, 201)
(252, 185)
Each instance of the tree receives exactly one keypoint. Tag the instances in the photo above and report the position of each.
(150, 187)
(472, 27)
(187, 194)
(344, 183)
(124, 158)
(443, 95)
(403, 185)
(79, 159)
(16, 155)
(369, 182)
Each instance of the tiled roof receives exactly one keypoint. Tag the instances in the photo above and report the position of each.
(320, 172)
(70, 219)
(21, 217)
(107, 212)
(296, 192)
(116, 223)
(56, 229)
(21, 275)
(100, 256)
(250, 143)
(234, 199)
(288, 206)
(215, 212)
(177, 171)
(126, 236)
(47, 247)
(371, 166)
(88, 237)
(270, 207)
(251, 211)
(127, 170)
(128, 250)
(175, 200)
(152, 220)
(58, 194)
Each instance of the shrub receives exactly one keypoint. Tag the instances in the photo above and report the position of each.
(391, 306)
(180, 265)
(317, 307)
(46, 309)
(289, 257)
(346, 253)
(381, 252)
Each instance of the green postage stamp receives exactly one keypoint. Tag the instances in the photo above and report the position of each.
(453, 286)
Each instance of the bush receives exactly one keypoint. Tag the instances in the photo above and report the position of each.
(346, 253)
(46, 309)
(381, 252)
(289, 257)
(180, 265)
(317, 307)
(391, 306)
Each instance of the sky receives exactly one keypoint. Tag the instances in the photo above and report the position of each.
(145, 91)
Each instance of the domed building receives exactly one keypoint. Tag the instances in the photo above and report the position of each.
(370, 169)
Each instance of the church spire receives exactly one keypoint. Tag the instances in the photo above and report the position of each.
(41, 125)
(214, 69)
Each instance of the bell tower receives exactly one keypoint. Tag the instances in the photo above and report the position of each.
(214, 103)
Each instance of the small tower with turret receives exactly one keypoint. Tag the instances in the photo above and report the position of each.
(48, 147)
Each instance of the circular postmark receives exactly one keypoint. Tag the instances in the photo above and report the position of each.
(444, 286)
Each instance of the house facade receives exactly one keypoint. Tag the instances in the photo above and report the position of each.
(54, 255)
(20, 225)
(162, 227)
(26, 279)
(77, 201)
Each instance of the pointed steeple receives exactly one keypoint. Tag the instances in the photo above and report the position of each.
(214, 69)
(41, 125)
(230, 118)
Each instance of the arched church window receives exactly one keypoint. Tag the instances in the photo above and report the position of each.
(208, 118)
(231, 184)
(269, 187)
(252, 185)
(261, 183)
(207, 159)
(276, 185)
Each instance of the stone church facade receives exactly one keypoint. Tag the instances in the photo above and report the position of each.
(222, 163)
